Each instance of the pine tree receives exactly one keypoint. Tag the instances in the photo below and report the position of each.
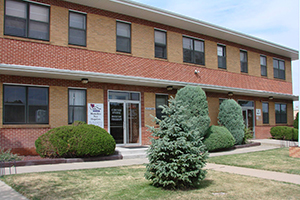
(231, 117)
(194, 99)
(177, 154)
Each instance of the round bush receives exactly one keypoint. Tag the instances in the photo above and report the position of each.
(82, 140)
(196, 107)
(231, 117)
(218, 137)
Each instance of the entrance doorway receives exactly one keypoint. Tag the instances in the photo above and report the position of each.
(124, 117)
(248, 114)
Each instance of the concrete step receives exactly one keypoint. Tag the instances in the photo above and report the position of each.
(131, 152)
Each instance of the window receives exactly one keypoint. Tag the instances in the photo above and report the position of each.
(77, 28)
(124, 37)
(25, 105)
(265, 110)
(77, 105)
(263, 65)
(280, 113)
(26, 19)
(160, 44)
(244, 62)
(161, 100)
(221, 57)
(193, 51)
(279, 69)
(221, 101)
(243, 103)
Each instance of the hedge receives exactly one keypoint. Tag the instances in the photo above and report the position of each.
(284, 133)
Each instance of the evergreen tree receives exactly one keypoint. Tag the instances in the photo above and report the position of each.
(194, 99)
(176, 154)
(231, 117)
(296, 121)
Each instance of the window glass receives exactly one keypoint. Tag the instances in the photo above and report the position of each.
(77, 97)
(220, 51)
(123, 29)
(16, 9)
(280, 113)
(243, 56)
(263, 60)
(188, 43)
(246, 103)
(275, 64)
(38, 30)
(77, 20)
(39, 13)
(199, 46)
(160, 37)
(160, 101)
(124, 95)
(281, 65)
(25, 104)
(14, 94)
(265, 109)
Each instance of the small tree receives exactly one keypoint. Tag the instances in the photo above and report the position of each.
(231, 117)
(176, 155)
(296, 121)
(194, 99)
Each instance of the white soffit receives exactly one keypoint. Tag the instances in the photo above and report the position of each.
(150, 13)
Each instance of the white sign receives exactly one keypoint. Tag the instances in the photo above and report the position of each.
(258, 112)
(150, 108)
(95, 114)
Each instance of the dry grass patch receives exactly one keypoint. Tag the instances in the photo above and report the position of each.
(129, 183)
(273, 160)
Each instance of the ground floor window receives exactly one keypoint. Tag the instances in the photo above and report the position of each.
(280, 113)
(77, 105)
(25, 105)
(265, 109)
(160, 100)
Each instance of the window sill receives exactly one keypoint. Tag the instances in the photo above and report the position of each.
(25, 39)
(76, 47)
(26, 126)
(193, 64)
(123, 53)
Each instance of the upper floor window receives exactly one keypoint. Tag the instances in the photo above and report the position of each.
(25, 105)
(263, 65)
(77, 105)
(221, 56)
(124, 37)
(244, 61)
(279, 69)
(161, 99)
(77, 28)
(280, 113)
(160, 44)
(26, 19)
(193, 51)
(265, 110)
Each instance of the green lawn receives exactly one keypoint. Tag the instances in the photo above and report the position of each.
(129, 183)
(273, 160)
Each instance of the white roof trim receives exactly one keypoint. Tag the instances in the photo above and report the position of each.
(157, 15)
(32, 71)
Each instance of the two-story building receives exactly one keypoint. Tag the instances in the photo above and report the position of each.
(61, 58)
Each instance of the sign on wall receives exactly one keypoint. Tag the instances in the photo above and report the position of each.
(258, 112)
(95, 114)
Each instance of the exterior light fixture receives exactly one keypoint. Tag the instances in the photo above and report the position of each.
(170, 87)
(271, 97)
(84, 80)
(196, 72)
(230, 94)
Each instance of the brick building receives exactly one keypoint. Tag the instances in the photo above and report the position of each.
(59, 57)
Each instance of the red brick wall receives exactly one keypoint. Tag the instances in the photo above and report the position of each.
(43, 55)
(262, 132)
(20, 140)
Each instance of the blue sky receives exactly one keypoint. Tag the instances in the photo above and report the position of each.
(276, 21)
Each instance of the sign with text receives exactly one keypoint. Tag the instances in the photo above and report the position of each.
(95, 114)
(258, 112)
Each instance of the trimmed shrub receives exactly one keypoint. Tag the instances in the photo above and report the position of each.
(296, 121)
(218, 137)
(195, 103)
(80, 140)
(231, 117)
(176, 154)
(284, 133)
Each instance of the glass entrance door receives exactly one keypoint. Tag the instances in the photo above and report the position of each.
(116, 111)
(248, 118)
(124, 124)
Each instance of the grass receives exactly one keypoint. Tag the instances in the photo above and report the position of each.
(129, 183)
(273, 160)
